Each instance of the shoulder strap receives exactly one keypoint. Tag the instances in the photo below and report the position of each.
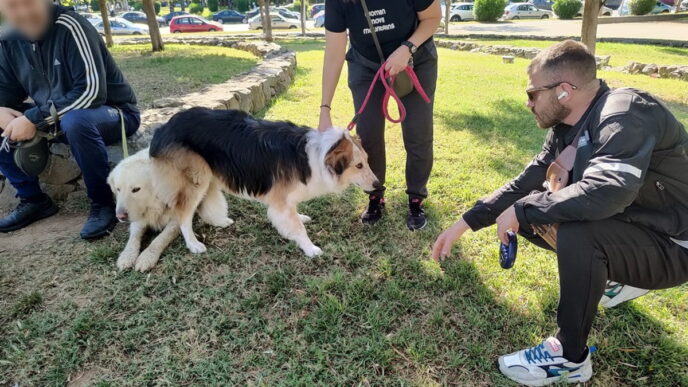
(366, 12)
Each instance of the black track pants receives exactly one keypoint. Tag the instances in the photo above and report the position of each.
(417, 128)
(590, 253)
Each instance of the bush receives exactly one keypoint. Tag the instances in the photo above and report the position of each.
(95, 5)
(488, 10)
(136, 5)
(213, 5)
(641, 7)
(567, 9)
(241, 5)
(157, 7)
(196, 8)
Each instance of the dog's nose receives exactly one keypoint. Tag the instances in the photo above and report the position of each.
(377, 184)
(122, 216)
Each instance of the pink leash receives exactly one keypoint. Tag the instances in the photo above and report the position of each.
(383, 75)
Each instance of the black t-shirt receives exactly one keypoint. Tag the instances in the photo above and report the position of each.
(394, 21)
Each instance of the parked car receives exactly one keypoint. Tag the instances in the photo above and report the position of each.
(119, 26)
(168, 18)
(320, 19)
(140, 18)
(316, 8)
(461, 12)
(193, 23)
(251, 14)
(613, 4)
(286, 13)
(278, 21)
(660, 7)
(228, 16)
(93, 18)
(525, 11)
(542, 4)
(604, 11)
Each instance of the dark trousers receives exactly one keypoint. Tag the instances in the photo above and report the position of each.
(417, 128)
(590, 253)
(88, 132)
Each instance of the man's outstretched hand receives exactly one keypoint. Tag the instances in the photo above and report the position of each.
(443, 244)
(506, 222)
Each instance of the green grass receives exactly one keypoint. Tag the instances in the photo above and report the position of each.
(621, 53)
(180, 69)
(373, 310)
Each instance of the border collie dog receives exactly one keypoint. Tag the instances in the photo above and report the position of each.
(200, 151)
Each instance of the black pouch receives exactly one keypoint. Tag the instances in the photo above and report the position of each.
(32, 156)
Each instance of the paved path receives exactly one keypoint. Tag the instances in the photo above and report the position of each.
(674, 30)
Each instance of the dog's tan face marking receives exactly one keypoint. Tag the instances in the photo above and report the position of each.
(349, 162)
(133, 190)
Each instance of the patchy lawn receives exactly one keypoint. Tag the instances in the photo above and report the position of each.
(179, 70)
(373, 310)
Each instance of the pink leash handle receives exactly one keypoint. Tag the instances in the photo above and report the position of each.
(383, 75)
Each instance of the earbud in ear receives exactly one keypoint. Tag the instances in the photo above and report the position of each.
(563, 95)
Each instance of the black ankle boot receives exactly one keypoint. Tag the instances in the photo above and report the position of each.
(416, 219)
(373, 213)
(101, 220)
(26, 213)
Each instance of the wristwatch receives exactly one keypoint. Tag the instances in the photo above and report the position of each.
(412, 47)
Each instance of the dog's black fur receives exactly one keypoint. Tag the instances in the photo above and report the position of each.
(248, 154)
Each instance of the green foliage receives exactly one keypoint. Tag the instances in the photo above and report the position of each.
(95, 5)
(567, 9)
(196, 8)
(136, 5)
(488, 10)
(157, 7)
(213, 5)
(641, 7)
(242, 5)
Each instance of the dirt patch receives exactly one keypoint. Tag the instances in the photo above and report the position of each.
(47, 231)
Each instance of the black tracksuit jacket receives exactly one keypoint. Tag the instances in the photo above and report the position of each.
(631, 164)
(70, 68)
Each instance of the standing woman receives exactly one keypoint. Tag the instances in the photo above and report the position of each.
(404, 29)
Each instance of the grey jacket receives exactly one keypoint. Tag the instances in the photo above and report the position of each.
(631, 164)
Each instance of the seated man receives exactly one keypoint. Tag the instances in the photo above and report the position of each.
(623, 217)
(57, 58)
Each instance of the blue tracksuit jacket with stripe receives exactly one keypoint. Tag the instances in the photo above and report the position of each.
(70, 68)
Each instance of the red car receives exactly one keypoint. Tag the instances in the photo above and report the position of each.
(192, 23)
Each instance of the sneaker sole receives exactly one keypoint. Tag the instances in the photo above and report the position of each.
(585, 374)
(48, 213)
(620, 298)
(418, 228)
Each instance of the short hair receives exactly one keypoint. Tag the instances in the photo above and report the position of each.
(568, 61)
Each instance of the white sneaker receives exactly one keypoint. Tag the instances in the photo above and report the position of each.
(544, 364)
(616, 293)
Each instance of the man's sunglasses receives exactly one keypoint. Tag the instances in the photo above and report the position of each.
(532, 93)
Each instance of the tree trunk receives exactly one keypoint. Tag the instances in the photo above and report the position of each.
(589, 29)
(265, 18)
(171, 6)
(153, 28)
(106, 23)
(303, 17)
(447, 16)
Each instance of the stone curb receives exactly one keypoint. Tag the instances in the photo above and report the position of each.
(658, 71)
(250, 91)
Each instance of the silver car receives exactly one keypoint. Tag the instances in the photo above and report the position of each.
(119, 26)
(518, 11)
(278, 21)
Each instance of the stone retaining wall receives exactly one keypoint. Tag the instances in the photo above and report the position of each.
(250, 91)
(658, 71)
(519, 52)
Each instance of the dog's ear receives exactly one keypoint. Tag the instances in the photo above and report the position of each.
(339, 156)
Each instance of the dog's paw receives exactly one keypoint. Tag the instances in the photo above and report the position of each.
(126, 259)
(312, 251)
(304, 218)
(196, 247)
(223, 223)
(146, 261)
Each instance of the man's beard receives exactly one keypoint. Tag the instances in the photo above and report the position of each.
(554, 115)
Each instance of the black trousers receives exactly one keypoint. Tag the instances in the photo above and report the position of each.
(417, 128)
(590, 253)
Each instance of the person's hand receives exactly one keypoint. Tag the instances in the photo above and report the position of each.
(7, 115)
(507, 221)
(325, 119)
(398, 61)
(443, 244)
(20, 129)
